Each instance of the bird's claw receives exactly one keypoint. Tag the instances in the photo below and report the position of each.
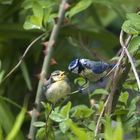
(80, 89)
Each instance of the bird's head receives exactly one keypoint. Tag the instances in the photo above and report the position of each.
(75, 66)
(58, 75)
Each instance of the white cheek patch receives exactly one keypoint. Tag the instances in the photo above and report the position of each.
(75, 70)
(83, 61)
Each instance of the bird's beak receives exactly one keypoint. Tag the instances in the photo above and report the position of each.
(63, 72)
(62, 75)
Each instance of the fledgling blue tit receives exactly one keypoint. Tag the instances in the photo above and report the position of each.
(90, 70)
(58, 86)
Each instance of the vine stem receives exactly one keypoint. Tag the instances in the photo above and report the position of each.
(100, 116)
(45, 67)
(22, 57)
(130, 59)
(110, 96)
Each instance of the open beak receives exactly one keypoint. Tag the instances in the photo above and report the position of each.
(62, 75)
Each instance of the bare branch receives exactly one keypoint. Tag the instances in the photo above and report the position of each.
(114, 86)
(130, 59)
(100, 116)
(45, 67)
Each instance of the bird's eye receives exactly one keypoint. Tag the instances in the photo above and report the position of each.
(61, 74)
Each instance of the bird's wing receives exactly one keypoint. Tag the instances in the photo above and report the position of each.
(47, 84)
(96, 66)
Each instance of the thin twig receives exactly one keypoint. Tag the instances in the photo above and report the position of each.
(130, 59)
(122, 54)
(45, 67)
(110, 96)
(76, 91)
(22, 57)
(116, 77)
(100, 116)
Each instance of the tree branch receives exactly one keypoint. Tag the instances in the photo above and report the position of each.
(130, 59)
(119, 77)
(114, 86)
(100, 116)
(45, 67)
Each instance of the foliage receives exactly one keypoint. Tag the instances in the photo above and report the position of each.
(90, 30)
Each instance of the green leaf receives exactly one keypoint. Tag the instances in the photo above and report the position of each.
(18, 123)
(80, 6)
(134, 45)
(131, 122)
(81, 111)
(108, 129)
(41, 133)
(27, 4)
(47, 107)
(124, 97)
(65, 110)
(99, 92)
(1, 133)
(91, 125)
(129, 28)
(56, 116)
(9, 119)
(61, 115)
(135, 19)
(132, 106)
(26, 75)
(1, 75)
(99, 106)
(120, 112)
(132, 25)
(80, 81)
(33, 22)
(80, 132)
(37, 10)
(64, 126)
(39, 124)
(118, 132)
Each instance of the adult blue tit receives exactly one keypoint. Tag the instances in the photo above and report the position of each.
(57, 86)
(90, 70)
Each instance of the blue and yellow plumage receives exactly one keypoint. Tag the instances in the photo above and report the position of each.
(90, 70)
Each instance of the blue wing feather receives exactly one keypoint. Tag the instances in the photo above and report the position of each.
(96, 66)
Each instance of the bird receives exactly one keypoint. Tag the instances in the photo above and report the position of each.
(90, 70)
(57, 86)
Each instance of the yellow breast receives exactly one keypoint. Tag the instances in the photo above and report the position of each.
(57, 91)
(91, 76)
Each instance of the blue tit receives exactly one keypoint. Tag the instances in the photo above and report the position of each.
(57, 86)
(90, 70)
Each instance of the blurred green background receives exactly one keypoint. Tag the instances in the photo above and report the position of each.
(90, 31)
